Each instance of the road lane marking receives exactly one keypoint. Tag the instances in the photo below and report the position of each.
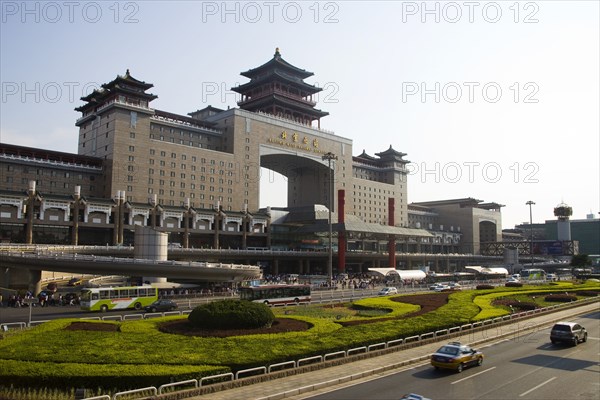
(471, 376)
(536, 387)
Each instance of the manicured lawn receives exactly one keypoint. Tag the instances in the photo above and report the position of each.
(131, 354)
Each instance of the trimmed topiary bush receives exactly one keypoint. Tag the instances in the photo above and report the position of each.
(483, 287)
(561, 298)
(513, 284)
(231, 314)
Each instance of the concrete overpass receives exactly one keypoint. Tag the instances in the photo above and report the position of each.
(23, 267)
(24, 263)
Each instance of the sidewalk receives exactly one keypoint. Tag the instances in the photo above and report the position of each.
(327, 378)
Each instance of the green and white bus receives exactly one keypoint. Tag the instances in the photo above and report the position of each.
(276, 294)
(117, 298)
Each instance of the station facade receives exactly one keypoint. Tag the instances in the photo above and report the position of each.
(197, 176)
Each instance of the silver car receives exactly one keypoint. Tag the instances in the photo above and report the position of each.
(568, 332)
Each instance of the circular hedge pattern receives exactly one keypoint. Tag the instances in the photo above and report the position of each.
(231, 314)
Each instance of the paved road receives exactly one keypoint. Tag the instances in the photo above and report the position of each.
(325, 380)
(527, 367)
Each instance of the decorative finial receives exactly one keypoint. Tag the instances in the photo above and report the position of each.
(277, 54)
(127, 72)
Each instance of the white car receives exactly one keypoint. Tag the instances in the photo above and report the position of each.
(386, 291)
(438, 287)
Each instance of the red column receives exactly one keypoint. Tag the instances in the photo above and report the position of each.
(392, 238)
(341, 232)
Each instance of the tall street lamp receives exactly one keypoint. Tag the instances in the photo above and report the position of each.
(530, 203)
(329, 156)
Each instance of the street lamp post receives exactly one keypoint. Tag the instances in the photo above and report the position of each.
(76, 204)
(186, 224)
(530, 203)
(30, 210)
(329, 156)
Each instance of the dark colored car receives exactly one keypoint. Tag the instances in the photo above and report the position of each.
(161, 305)
(568, 332)
(456, 356)
(52, 287)
(75, 282)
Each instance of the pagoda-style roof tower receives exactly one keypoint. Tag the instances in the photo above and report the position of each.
(392, 155)
(278, 88)
(125, 90)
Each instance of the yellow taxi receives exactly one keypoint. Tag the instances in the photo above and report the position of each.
(456, 356)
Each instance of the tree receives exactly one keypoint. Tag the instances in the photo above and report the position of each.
(580, 260)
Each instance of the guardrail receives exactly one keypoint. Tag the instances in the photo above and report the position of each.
(374, 348)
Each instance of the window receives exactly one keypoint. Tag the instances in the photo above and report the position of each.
(133, 119)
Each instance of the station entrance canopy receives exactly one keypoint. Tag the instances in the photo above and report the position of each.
(488, 270)
(415, 274)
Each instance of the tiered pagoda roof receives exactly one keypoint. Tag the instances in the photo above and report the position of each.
(277, 87)
(392, 155)
(125, 85)
(389, 155)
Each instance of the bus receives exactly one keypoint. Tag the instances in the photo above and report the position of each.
(276, 294)
(533, 274)
(117, 298)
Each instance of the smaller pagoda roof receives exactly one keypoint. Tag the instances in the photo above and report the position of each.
(366, 156)
(277, 62)
(391, 153)
(121, 84)
(128, 80)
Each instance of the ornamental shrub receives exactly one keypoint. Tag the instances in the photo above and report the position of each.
(513, 284)
(588, 293)
(482, 287)
(561, 298)
(231, 314)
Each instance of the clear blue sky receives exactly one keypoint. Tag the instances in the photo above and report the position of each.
(493, 100)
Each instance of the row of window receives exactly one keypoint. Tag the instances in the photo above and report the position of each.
(42, 172)
(52, 184)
